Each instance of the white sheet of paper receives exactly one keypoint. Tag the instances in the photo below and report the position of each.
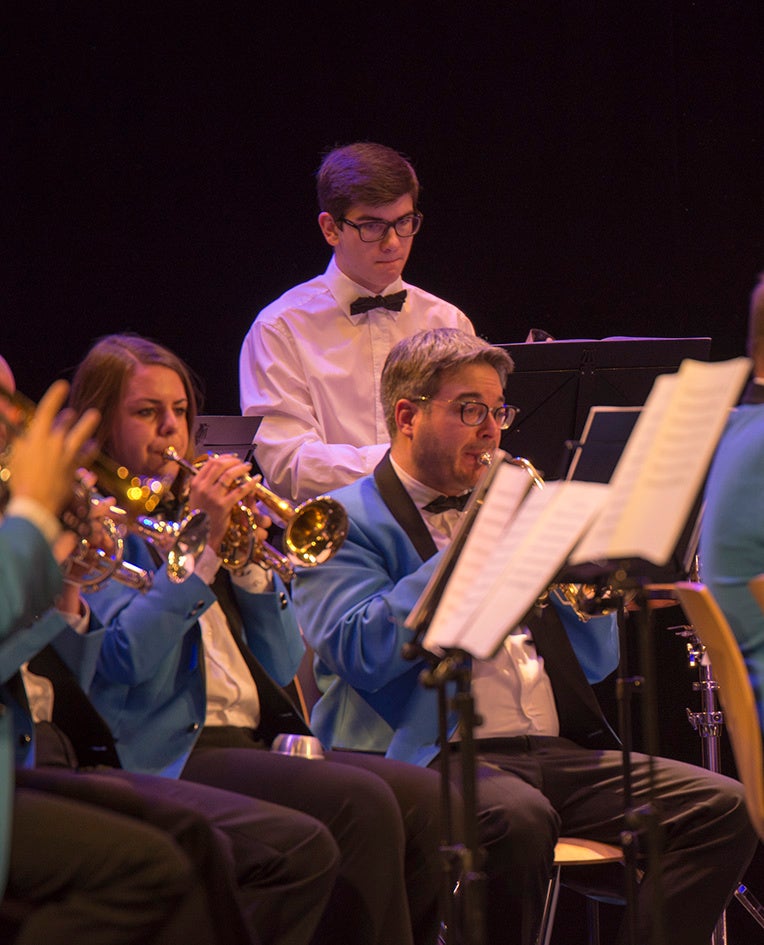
(663, 465)
(497, 584)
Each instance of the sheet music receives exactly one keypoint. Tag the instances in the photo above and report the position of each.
(509, 487)
(664, 463)
(495, 585)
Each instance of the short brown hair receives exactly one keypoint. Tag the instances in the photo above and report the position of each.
(100, 379)
(363, 173)
(756, 324)
(416, 365)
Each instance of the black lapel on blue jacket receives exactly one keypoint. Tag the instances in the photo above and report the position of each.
(753, 394)
(580, 715)
(277, 712)
(403, 509)
(74, 714)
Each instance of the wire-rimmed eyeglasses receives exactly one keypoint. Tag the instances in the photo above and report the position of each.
(474, 412)
(372, 231)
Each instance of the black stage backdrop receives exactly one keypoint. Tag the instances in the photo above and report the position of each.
(589, 167)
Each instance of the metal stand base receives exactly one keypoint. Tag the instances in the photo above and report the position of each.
(709, 724)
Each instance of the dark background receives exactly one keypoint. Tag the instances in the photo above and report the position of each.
(591, 168)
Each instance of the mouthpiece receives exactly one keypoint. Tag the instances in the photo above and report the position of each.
(486, 458)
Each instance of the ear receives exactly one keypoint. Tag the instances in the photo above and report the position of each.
(329, 228)
(405, 414)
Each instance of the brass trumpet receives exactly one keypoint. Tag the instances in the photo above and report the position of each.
(314, 530)
(91, 565)
(180, 543)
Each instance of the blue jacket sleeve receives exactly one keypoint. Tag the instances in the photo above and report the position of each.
(24, 552)
(142, 629)
(271, 631)
(594, 641)
(352, 608)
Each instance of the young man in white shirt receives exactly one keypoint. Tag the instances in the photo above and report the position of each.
(310, 365)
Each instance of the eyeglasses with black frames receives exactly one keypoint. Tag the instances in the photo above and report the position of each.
(372, 231)
(474, 412)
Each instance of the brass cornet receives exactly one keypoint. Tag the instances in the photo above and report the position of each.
(179, 543)
(314, 530)
(91, 565)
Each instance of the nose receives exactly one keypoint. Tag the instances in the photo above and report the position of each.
(391, 240)
(490, 428)
(168, 422)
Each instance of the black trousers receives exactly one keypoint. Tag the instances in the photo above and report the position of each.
(383, 815)
(92, 875)
(531, 790)
(260, 872)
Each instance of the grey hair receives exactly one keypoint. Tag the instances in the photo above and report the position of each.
(416, 365)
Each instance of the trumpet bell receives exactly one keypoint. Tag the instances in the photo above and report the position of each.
(315, 532)
(188, 542)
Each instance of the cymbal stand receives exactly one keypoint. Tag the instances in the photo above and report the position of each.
(709, 724)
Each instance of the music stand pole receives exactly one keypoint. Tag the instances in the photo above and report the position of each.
(455, 667)
(638, 821)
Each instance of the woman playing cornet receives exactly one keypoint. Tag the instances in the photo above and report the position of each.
(185, 675)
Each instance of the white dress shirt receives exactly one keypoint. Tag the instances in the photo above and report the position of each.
(39, 689)
(312, 371)
(513, 693)
(232, 697)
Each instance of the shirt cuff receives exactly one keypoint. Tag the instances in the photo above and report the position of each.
(43, 519)
(207, 565)
(254, 579)
(79, 622)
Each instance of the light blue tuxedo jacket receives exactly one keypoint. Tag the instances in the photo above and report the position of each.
(30, 578)
(149, 680)
(732, 531)
(352, 611)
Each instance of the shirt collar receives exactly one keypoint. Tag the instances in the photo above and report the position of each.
(346, 291)
(420, 494)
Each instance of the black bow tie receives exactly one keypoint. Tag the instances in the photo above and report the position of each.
(445, 502)
(365, 303)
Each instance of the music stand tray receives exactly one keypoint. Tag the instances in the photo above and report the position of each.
(595, 457)
(556, 383)
(226, 434)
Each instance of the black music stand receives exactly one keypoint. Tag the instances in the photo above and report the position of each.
(462, 861)
(594, 458)
(556, 383)
(227, 434)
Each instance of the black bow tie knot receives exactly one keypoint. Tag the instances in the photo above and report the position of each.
(365, 303)
(445, 502)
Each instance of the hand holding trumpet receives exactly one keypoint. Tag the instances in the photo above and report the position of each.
(314, 530)
(48, 452)
(220, 486)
